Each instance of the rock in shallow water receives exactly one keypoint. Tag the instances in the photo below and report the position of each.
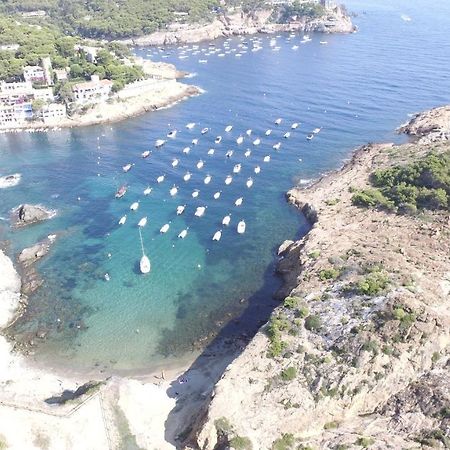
(26, 214)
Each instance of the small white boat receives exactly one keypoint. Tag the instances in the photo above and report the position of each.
(294, 126)
(249, 182)
(287, 135)
(241, 227)
(172, 134)
(217, 195)
(228, 179)
(317, 130)
(247, 153)
(239, 201)
(200, 164)
(257, 169)
(195, 193)
(229, 153)
(228, 128)
(240, 140)
(187, 176)
(127, 167)
(194, 141)
(278, 121)
(218, 139)
(207, 179)
(237, 168)
(211, 152)
(134, 206)
(266, 158)
(257, 141)
(248, 132)
(277, 146)
(200, 211)
(217, 235)
(183, 234)
(160, 179)
(147, 190)
(173, 191)
(123, 219)
(180, 209)
(159, 143)
(323, 42)
(186, 150)
(120, 192)
(226, 220)
(145, 154)
(268, 132)
(107, 277)
(294, 47)
(164, 228)
(310, 137)
(190, 125)
(175, 162)
(205, 130)
(144, 264)
(142, 222)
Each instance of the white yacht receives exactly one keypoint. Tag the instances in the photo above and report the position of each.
(123, 219)
(134, 206)
(147, 190)
(217, 235)
(180, 209)
(183, 234)
(164, 228)
(200, 211)
(237, 168)
(226, 220)
(241, 227)
(142, 222)
(249, 182)
(159, 143)
(187, 176)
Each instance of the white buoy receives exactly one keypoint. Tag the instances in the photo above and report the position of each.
(217, 235)
(134, 206)
(123, 219)
(249, 182)
(217, 195)
(226, 220)
(164, 228)
(142, 222)
(239, 201)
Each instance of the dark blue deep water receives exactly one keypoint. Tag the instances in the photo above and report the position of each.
(358, 88)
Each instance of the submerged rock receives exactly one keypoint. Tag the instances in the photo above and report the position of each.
(27, 214)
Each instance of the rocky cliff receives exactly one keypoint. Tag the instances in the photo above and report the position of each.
(357, 354)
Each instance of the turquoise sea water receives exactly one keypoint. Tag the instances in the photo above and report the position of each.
(358, 88)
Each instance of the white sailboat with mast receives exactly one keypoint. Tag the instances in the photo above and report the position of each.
(144, 263)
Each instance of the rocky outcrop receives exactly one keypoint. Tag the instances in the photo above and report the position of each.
(32, 254)
(9, 290)
(7, 181)
(27, 214)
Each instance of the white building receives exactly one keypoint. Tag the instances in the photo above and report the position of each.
(11, 93)
(34, 74)
(12, 116)
(45, 94)
(10, 47)
(61, 74)
(53, 113)
(94, 91)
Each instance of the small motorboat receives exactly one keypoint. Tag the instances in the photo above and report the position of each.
(123, 219)
(211, 152)
(249, 182)
(323, 42)
(142, 222)
(240, 140)
(186, 150)
(228, 128)
(278, 121)
(190, 125)
(205, 130)
(175, 162)
(145, 154)
(165, 228)
(194, 141)
(248, 132)
(160, 179)
(217, 235)
(295, 47)
(247, 153)
(266, 158)
(287, 134)
(294, 126)
(147, 190)
(277, 146)
(159, 143)
(200, 164)
(229, 153)
(187, 176)
(226, 220)
(107, 277)
(144, 264)
(172, 134)
(173, 191)
(195, 193)
(217, 195)
(183, 234)
(207, 179)
(241, 227)
(218, 139)
(317, 130)
(134, 206)
(237, 168)
(257, 141)
(228, 179)
(121, 191)
(257, 169)
(200, 211)
(180, 209)
(268, 132)
(239, 201)
(310, 137)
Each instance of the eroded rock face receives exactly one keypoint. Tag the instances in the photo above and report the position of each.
(31, 254)
(27, 214)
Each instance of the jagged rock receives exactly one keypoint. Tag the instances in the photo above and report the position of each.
(434, 124)
(31, 254)
(27, 214)
(284, 247)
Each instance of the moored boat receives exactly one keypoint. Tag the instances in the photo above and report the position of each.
(121, 191)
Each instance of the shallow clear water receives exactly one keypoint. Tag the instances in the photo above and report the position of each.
(358, 88)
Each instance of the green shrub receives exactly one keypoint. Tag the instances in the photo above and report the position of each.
(289, 373)
(329, 274)
(364, 442)
(241, 443)
(331, 425)
(285, 442)
(370, 346)
(314, 254)
(302, 311)
(223, 425)
(313, 323)
(373, 284)
(332, 202)
(372, 198)
(291, 302)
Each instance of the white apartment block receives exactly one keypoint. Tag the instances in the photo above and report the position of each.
(45, 94)
(53, 113)
(34, 74)
(12, 116)
(11, 93)
(94, 91)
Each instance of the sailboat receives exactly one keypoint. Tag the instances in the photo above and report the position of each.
(144, 263)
